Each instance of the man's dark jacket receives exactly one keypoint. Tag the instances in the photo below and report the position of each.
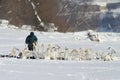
(30, 40)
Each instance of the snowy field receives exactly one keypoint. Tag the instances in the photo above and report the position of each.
(20, 69)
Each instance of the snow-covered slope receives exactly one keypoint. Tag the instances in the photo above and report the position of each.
(19, 69)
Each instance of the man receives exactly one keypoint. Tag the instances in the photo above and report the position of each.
(30, 41)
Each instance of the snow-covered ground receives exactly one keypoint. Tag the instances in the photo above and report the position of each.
(19, 69)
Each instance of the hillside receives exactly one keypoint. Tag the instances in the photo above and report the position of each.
(67, 15)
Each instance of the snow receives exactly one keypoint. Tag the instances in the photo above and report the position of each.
(21, 69)
(12, 69)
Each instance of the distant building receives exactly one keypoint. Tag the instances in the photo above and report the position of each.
(109, 11)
